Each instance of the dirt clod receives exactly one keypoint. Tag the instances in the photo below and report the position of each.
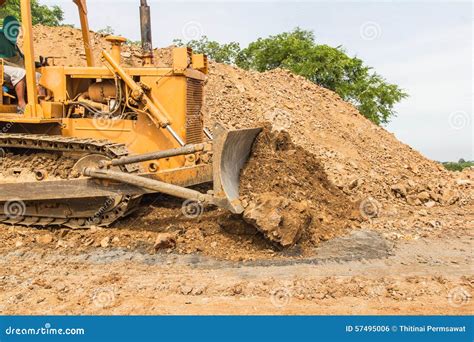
(279, 219)
(165, 240)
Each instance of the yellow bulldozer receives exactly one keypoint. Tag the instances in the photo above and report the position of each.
(101, 136)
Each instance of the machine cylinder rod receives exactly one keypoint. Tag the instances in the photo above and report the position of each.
(145, 26)
(150, 184)
(155, 155)
(86, 36)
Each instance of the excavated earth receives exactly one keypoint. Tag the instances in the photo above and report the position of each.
(350, 220)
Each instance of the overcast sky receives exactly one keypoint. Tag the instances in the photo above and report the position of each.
(425, 47)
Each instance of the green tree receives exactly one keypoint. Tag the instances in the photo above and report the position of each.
(326, 66)
(108, 30)
(41, 14)
(222, 53)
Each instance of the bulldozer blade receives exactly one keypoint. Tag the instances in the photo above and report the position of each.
(231, 150)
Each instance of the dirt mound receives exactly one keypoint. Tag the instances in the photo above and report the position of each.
(66, 46)
(360, 158)
(290, 195)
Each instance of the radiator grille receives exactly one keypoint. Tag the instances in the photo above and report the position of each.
(194, 119)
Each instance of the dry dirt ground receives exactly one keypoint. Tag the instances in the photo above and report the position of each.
(388, 230)
(117, 271)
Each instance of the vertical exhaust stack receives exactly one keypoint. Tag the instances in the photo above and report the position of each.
(145, 26)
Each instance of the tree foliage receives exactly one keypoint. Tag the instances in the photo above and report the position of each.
(222, 53)
(329, 67)
(108, 30)
(41, 14)
(459, 166)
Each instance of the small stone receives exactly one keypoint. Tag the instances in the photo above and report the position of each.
(463, 181)
(19, 243)
(62, 243)
(430, 204)
(164, 241)
(115, 240)
(354, 184)
(105, 242)
(423, 212)
(185, 289)
(213, 244)
(88, 242)
(423, 196)
(44, 239)
(399, 190)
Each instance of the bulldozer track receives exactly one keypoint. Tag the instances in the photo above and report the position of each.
(107, 211)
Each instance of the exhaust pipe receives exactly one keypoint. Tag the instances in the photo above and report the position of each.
(145, 27)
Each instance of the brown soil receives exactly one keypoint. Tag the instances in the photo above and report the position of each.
(319, 154)
(279, 169)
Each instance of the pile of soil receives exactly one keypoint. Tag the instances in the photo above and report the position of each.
(289, 194)
(359, 157)
(71, 52)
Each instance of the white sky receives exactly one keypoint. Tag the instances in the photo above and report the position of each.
(425, 47)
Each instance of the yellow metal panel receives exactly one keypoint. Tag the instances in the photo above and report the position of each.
(52, 109)
(1, 72)
(31, 108)
(104, 72)
(200, 63)
(170, 92)
(181, 58)
(53, 79)
(140, 136)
